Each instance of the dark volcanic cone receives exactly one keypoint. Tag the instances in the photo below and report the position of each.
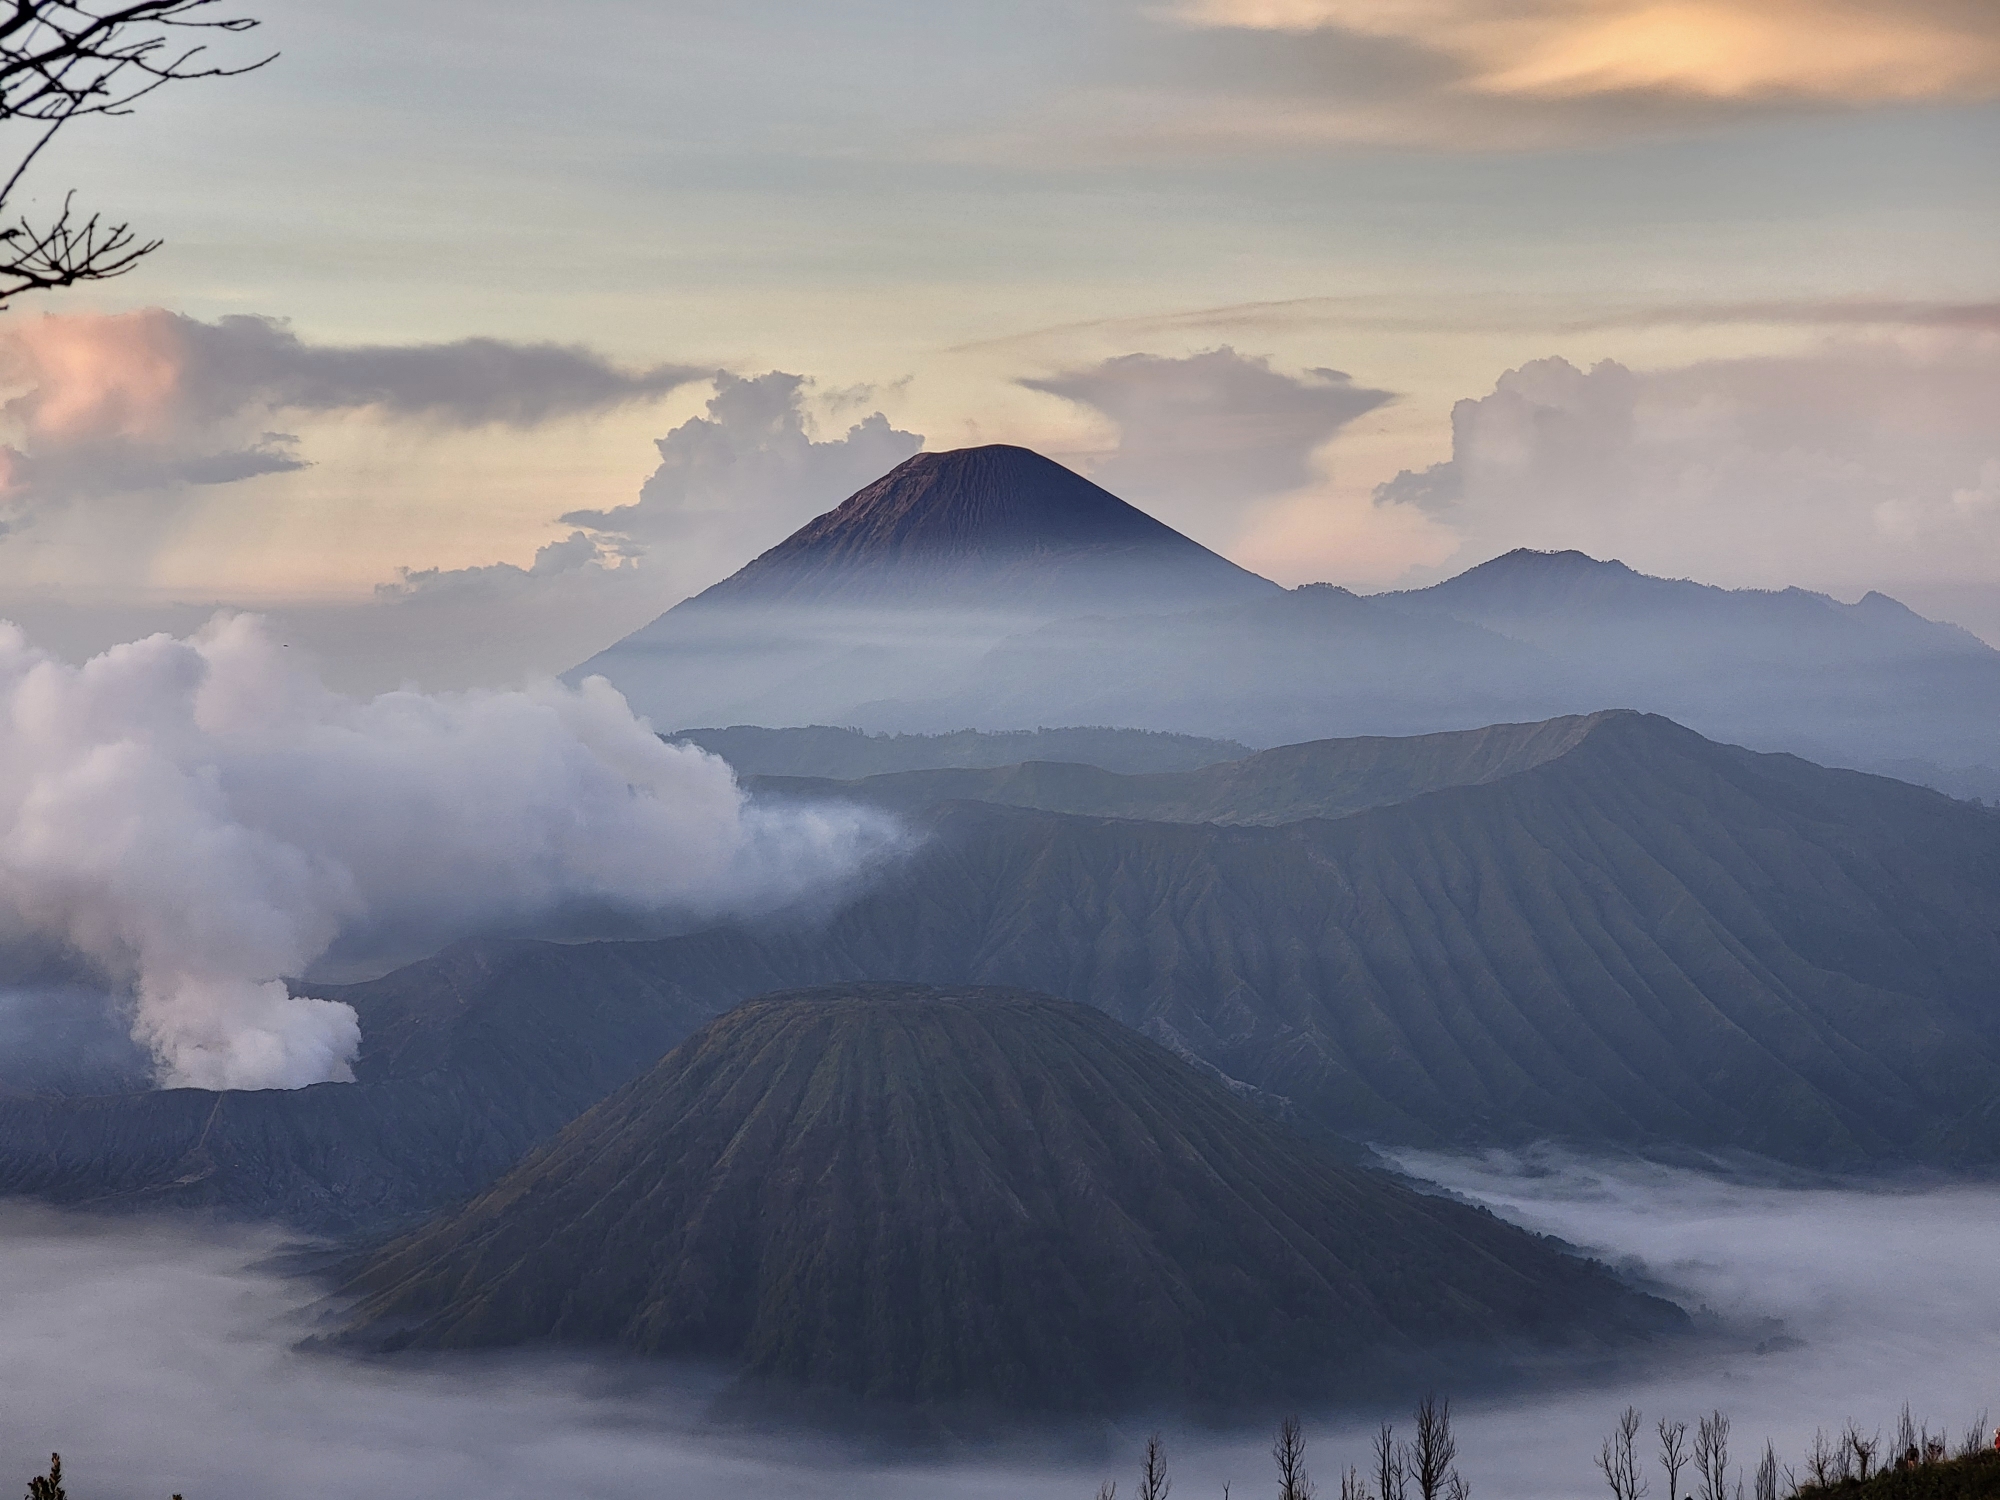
(997, 528)
(921, 1195)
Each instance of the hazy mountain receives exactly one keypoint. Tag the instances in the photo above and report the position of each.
(1323, 779)
(922, 1196)
(1644, 938)
(818, 750)
(1526, 636)
(905, 582)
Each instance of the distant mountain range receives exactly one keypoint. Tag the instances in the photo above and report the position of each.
(844, 754)
(929, 1197)
(989, 588)
(1606, 930)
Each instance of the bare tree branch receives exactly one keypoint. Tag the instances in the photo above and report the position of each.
(64, 60)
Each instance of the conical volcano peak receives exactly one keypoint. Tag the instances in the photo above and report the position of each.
(994, 527)
(974, 499)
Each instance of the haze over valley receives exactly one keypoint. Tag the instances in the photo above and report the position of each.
(1000, 751)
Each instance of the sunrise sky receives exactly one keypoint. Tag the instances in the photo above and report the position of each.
(1355, 290)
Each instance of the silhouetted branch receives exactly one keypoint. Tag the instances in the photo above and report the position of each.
(63, 60)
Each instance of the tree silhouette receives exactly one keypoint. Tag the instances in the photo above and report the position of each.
(62, 61)
(50, 1488)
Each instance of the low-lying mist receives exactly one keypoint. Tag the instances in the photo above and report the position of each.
(203, 819)
(159, 1356)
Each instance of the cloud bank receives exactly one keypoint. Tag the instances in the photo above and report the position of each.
(108, 403)
(1859, 461)
(1216, 428)
(201, 820)
(1835, 50)
(155, 1361)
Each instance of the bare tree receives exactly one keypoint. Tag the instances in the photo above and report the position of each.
(1108, 1490)
(1289, 1449)
(1824, 1461)
(1432, 1454)
(1906, 1437)
(1862, 1449)
(1153, 1481)
(1975, 1437)
(1353, 1486)
(65, 60)
(1765, 1487)
(1456, 1488)
(1618, 1460)
(1711, 1456)
(1391, 1473)
(1673, 1454)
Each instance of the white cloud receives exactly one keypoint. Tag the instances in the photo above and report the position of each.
(1859, 462)
(1212, 429)
(744, 477)
(202, 819)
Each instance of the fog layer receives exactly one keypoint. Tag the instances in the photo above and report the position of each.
(156, 1361)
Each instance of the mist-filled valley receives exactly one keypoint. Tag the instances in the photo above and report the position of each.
(158, 1354)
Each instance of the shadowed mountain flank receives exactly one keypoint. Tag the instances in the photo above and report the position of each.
(1647, 940)
(993, 518)
(922, 1196)
(1324, 779)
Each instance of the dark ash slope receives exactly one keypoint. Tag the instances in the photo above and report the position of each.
(1647, 939)
(915, 1196)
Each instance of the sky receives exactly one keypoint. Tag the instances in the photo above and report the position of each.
(481, 334)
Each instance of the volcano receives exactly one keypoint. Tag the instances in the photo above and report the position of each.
(897, 591)
(998, 528)
(924, 1195)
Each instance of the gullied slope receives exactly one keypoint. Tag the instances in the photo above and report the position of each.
(1648, 939)
(1323, 779)
(918, 1195)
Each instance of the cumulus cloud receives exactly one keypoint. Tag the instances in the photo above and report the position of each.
(746, 475)
(154, 400)
(1216, 426)
(201, 819)
(1834, 50)
(1858, 461)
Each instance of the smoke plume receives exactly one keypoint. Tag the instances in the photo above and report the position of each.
(201, 819)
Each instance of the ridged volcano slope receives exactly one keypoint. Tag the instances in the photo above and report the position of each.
(916, 1196)
(1647, 939)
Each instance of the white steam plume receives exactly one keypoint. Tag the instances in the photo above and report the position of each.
(201, 818)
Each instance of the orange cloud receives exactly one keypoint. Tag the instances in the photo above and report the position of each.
(115, 377)
(1845, 51)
